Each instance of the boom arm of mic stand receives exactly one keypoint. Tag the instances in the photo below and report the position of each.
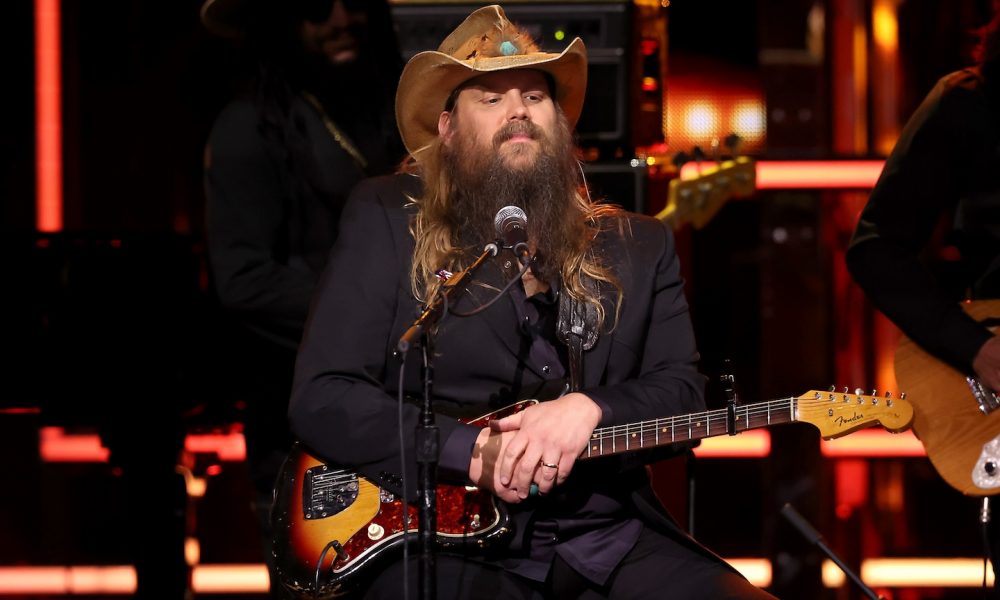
(813, 537)
(432, 312)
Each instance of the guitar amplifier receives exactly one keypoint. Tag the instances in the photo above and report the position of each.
(623, 107)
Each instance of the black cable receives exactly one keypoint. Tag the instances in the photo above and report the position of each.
(402, 460)
(319, 567)
(506, 288)
(984, 520)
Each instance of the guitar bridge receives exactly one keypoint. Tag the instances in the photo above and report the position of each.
(986, 399)
(986, 472)
(326, 491)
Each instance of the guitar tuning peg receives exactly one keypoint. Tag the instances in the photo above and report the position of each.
(888, 394)
(732, 142)
(874, 392)
(832, 388)
(902, 395)
(846, 391)
(859, 392)
(680, 159)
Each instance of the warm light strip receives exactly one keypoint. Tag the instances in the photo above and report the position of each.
(873, 443)
(48, 117)
(120, 579)
(229, 579)
(833, 576)
(749, 444)
(228, 446)
(806, 174)
(55, 445)
(252, 578)
(925, 572)
(756, 570)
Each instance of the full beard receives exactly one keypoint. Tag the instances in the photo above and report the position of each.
(483, 181)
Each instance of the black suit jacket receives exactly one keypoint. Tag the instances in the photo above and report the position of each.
(343, 403)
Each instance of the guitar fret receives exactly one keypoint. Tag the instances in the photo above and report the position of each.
(626, 437)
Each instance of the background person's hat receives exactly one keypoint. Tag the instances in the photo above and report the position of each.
(485, 42)
(225, 18)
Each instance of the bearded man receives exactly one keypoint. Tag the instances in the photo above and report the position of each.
(487, 119)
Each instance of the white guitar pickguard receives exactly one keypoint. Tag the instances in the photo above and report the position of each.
(983, 477)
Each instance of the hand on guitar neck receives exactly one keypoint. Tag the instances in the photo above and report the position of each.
(538, 445)
(987, 364)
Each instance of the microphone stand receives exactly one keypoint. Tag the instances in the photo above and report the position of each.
(427, 433)
(799, 522)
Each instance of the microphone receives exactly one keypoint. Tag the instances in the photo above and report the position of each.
(512, 226)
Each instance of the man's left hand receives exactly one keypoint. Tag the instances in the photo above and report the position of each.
(550, 437)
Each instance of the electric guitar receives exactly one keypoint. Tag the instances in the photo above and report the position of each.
(956, 418)
(697, 200)
(329, 523)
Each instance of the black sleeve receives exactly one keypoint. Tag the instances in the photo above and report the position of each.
(339, 406)
(245, 217)
(921, 182)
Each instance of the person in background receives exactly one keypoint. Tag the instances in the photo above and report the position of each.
(280, 162)
(940, 186)
(487, 120)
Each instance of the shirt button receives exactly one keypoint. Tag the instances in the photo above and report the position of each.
(546, 369)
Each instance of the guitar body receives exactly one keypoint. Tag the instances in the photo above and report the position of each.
(330, 523)
(959, 438)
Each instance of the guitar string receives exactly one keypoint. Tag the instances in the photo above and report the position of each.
(775, 408)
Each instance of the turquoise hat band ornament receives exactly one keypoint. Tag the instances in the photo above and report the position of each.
(508, 48)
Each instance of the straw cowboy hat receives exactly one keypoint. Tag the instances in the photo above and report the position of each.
(485, 42)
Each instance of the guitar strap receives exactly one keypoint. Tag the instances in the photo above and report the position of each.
(576, 327)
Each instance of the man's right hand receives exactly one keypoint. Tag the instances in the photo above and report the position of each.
(484, 470)
(987, 364)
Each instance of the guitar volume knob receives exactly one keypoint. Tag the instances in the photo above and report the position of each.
(375, 531)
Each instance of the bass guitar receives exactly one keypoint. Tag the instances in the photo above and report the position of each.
(956, 418)
(329, 522)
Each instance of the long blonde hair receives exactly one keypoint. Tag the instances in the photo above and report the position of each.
(437, 245)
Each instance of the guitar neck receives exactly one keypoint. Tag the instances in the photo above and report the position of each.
(617, 439)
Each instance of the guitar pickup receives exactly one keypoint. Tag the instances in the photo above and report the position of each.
(326, 491)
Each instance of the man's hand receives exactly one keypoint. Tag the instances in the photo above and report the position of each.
(547, 440)
(987, 364)
(484, 469)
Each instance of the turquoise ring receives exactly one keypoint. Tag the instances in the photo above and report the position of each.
(533, 489)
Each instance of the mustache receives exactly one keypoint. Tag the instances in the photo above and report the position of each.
(517, 128)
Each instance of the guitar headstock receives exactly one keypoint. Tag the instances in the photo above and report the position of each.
(697, 200)
(838, 413)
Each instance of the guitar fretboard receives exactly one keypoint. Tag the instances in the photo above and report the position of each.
(670, 430)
